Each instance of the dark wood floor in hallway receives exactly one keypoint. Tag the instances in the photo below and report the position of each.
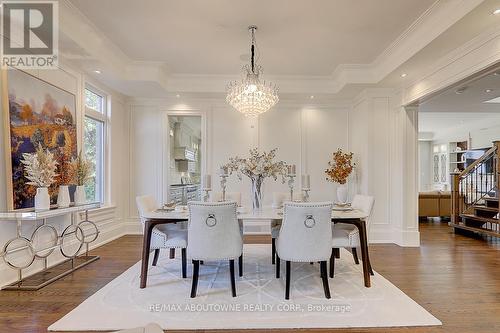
(456, 278)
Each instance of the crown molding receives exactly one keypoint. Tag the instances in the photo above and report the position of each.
(432, 23)
(195, 103)
(118, 66)
(471, 58)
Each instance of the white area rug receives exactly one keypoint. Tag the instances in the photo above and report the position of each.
(260, 302)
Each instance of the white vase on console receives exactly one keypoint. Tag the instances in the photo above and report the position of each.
(342, 193)
(42, 199)
(63, 200)
(80, 197)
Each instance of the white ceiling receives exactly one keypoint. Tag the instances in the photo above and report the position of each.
(439, 122)
(299, 37)
(477, 21)
(332, 49)
(471, 100)
(466, 111)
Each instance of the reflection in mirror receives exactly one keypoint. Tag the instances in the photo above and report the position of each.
(184, 159)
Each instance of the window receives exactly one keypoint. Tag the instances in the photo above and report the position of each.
(94, 142)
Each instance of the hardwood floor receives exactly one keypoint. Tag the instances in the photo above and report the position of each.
(456, 278)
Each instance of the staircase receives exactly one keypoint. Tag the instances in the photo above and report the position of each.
(475, 193)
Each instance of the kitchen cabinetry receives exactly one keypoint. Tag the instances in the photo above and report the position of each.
(182, 194)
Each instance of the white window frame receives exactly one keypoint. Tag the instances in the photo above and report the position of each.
(104, 119)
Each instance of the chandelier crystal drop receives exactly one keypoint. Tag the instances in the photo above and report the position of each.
(251, 96)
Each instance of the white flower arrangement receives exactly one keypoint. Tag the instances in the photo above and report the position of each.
(40, 167)
(258, 166)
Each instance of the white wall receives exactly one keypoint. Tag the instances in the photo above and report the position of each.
(482, 133)
(109, 218)
(375, 128)
(425, 167)
(379, 129)
(305, 137)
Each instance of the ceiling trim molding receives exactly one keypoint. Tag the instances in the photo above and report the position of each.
(472, 57)
(433, 22)
(204, 103)
(81, 30)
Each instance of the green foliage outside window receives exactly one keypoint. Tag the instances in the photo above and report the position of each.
(90, 142)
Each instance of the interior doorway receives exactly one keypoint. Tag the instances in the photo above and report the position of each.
(457, 127)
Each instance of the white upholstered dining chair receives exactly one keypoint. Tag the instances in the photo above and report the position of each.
(214, 235)
(278, 199)
(230, 196)
(305, 236)
(347, 235)
(164, 236)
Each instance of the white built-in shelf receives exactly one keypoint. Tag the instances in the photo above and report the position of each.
(31, 214)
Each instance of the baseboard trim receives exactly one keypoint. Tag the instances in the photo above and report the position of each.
(407, 238)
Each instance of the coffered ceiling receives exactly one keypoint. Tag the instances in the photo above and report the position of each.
(298, 37)
(158, 48)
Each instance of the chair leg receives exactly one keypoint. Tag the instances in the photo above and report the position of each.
(277, 266)
(196, 271)
(311, 263)
(240, 265)
(337, 253)
(273, 250)
(370, 267)
(355, 256)
(233, 282)
(172, 253)
(287, 281)
(332, 263)
(156, 255)
(184, 263)
(326, 287)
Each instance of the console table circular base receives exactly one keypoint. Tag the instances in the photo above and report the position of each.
(74, 260)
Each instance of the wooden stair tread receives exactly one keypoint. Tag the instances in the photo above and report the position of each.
(479, 218)
(489, 209)
(480, 230)
(490, 199)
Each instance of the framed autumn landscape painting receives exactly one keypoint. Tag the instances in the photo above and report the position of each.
(36, 113)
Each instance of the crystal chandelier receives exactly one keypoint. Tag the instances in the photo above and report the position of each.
(251, 96)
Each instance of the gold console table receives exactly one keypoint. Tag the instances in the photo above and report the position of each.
(70, 242)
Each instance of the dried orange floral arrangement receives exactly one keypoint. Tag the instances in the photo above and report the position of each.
(340, 167)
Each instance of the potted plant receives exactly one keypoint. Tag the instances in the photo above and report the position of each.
(40, 170)
(339, 169)
(257, 167)
(81, 169)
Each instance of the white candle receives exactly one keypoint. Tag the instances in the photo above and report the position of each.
(207, 182)
(306, 182)
(291, 169)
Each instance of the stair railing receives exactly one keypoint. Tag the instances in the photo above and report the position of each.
(479, 180)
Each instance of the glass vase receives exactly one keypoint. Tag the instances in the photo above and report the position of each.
(256, 193)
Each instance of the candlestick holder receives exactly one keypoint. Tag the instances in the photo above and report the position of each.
(291, 180)
(207, 195)
(223, 181)
(306, 194)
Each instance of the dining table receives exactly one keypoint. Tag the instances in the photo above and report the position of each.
(347, 215)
